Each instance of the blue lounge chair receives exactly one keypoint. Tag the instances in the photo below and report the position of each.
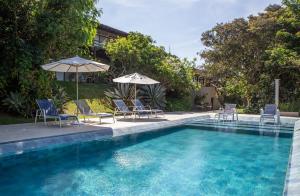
(121, 108)
(47, 110)
(86, 110)
(139, 107)
(270, 112)
(229, 110)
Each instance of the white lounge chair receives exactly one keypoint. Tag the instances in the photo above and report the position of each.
(47, 110)
(86, 110)
(140, 108)
(229, 110)
(270, 112)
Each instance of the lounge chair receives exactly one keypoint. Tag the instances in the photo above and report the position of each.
(47, 110)
(121, 108)
(270, 112)
(139, 107)
(86, 110)
(229, 110)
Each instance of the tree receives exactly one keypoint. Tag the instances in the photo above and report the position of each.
(33, 33)
(134, 52)
(247, 55)
(138, 52)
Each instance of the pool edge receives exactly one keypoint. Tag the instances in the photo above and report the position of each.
(292, 181)
(35, 144)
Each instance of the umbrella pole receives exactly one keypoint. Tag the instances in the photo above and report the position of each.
(134, 98)
(77, 90)
(134, 92)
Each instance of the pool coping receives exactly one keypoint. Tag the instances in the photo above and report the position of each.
(292, 181)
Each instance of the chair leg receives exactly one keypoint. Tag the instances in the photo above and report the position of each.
(100, 119)
(78, 121)
(45, 121)
(36, 115)
(59, 123)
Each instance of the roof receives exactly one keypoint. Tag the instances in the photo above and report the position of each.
(112, 30)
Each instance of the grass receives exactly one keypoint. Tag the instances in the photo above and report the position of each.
(94, 93)
(241, 110)
(85, 90)
(6, 119)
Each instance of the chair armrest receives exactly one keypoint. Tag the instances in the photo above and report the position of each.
(261, 111)
(278, 112)
(148, 107)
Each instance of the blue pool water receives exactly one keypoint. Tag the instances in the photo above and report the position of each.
(178, 161)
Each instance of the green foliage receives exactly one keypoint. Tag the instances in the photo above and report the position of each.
(247, 55)
(60, 97)
(134, 52)
(92, 92)
(123, 91)
(154, 95)
(86, 90)
(293, 106)
(97, 104)
(183, 104)
(176, 75)
(6, 119)
(139, 52)
(15, 103)
(36, 32)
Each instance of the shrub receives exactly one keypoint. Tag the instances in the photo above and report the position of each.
(60, 97)
(123, 91)
(184, 104)
(15, 103)
(154, 95)
(293, 106)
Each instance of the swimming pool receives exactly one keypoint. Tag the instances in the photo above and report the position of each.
(197, 159)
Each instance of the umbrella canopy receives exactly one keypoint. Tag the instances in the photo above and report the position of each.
(75, 65)
(135, 79)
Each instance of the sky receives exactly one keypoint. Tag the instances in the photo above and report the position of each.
(176, 24)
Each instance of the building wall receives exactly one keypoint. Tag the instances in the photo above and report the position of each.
(59, 76)
(104, 34)
(211, 96)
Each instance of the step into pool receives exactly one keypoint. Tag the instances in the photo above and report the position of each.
(196, 159)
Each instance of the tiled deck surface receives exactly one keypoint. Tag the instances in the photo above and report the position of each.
(19, 132)
(20, 138)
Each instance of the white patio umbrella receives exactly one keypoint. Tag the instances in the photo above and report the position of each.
(75, 65)
(135, 79)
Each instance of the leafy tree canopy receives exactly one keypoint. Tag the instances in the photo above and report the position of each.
(246, 55)
(138, 52)
(33, 33)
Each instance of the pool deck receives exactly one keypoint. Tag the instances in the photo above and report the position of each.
(20, 132)
(19, 138)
